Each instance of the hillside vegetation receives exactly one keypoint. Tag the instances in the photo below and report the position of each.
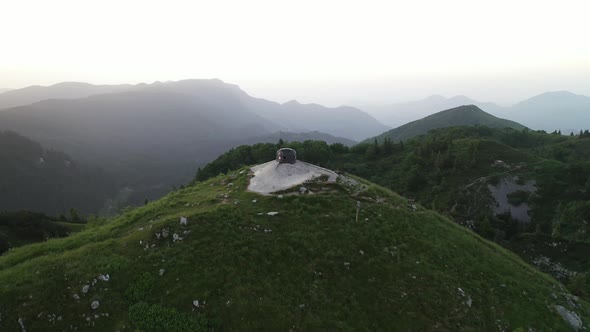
(230, 266)
(451, 170)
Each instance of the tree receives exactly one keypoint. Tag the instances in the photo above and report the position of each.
(74, 217)
(387, 146)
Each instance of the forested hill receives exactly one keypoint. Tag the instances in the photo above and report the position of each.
(543, 179)
(217, 257)
(48, 181)
(467, 115)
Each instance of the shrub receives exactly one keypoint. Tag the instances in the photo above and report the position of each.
(145, 317)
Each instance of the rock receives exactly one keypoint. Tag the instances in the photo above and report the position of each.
(76, 297)
(22, 324)
(183, 221)
(165, 232)
(196, 303)
(570, 317)
(104, 277)
(461, 291)
(302, 190)
(162, 272)
(85, 289)
(242, 172)
(469, 301)
(231, 184)
(176, 237)
(158, 235)
(272, 213)
(94, 305)
(280, 197)
(254, 201)
(361, 252)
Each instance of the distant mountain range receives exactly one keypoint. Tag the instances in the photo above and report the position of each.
(151, 137)
(2, 90)
(549, 111)
(467, 115)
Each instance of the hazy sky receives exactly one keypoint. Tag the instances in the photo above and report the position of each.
(331, 52)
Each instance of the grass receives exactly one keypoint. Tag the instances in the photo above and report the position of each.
(309, 268)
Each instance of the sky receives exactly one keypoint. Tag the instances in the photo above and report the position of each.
(328, 52)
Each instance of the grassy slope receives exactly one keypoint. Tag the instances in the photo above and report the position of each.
(459, 116)
(317, 270)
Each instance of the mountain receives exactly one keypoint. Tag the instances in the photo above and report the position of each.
(560, 110)
(4, 90)
(224, 97)
(348, 122)
(215, 256)
(37, 179)
(458, 116)
(398, 114)
(65, 90)
(551, 111)
(152, 137)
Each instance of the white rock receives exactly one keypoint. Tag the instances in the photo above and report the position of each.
(254, 201)
(302, 190)
(104, 277)
(280, 197)
(94, 305)
(176, 237)
(571, 317)
(183, 221)
(272, 213)
(85, 289)
(162, 272)
(461, 291)
(469, 301)
(22, 324)
(165, 232)
(76, 297)
(196, 303)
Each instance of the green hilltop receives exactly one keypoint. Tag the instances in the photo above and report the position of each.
(233, 267)
(467, 115)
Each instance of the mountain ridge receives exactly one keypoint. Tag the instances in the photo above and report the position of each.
(458, 116)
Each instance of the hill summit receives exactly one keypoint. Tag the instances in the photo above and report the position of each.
(216, 256)
(467, 115)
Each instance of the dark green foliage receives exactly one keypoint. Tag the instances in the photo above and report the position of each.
(23, 227)
(141, 289)
(156, 318)
(573, 221)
